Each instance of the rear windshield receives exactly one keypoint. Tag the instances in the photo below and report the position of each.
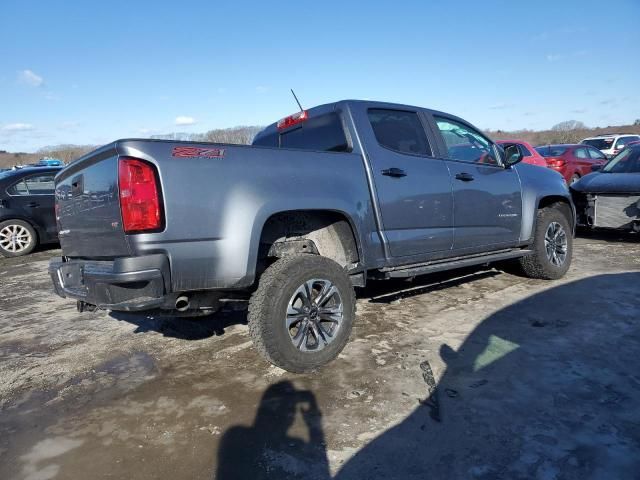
(551, 151)
(627, 161)
(324, 133)
(599, 143)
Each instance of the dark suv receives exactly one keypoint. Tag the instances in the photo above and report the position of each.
(27, 215)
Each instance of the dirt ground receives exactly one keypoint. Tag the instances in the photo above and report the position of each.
(470, 374)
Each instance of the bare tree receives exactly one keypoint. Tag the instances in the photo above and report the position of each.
(235, 135)
(568, 125)
(66, 153)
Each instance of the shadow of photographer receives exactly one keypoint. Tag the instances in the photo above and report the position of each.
(547, 387)
(268, 449)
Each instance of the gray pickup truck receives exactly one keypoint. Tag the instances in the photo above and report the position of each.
(321, 202)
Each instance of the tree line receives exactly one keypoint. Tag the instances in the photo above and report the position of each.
(570, 131)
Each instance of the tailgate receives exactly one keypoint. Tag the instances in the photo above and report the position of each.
(88, 207)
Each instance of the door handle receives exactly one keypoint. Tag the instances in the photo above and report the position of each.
(464, 176)
(33, 204)
(394, 172)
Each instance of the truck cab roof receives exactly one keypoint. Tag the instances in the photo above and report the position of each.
(329, 124)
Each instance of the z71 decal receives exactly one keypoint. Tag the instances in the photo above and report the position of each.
(192, 152)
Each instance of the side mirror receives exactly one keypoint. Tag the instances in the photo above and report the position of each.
(512, 155)
(595, 167)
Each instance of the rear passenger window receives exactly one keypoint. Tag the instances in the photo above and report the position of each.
(35, 185)
(399, 130)
(465, 144)
(581, 153)
(19, 188)
(40, 185)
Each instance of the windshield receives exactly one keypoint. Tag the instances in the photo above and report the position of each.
(627, 161)
(599, 143)
(551, 151)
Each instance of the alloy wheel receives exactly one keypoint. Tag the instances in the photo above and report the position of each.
(556, 244)
(15, 238)
(314, 315)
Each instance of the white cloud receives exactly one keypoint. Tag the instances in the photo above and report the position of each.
(17, 127)
(184, 120)
(30, 78)
(554, 57)
(144, 131)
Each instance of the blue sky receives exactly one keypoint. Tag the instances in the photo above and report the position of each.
(91, 72)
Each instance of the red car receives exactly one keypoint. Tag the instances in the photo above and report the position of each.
(529, 154)
(572, 161)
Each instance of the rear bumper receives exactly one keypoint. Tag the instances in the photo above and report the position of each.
(126, 284)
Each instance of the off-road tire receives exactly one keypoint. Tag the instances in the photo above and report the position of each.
(33, 238)
(268, 307)
(538, 264)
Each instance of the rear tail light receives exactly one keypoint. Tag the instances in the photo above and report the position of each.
(139, 195)
(555, 162)
(292, 120)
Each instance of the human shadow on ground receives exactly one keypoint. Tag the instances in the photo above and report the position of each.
(547, 387)
(266, 449)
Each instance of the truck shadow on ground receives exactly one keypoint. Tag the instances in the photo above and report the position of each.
(188, 328)
(547, 387)
(609, 236)
(388, 291)
(199, 328)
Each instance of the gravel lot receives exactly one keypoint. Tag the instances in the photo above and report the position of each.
(534, 380)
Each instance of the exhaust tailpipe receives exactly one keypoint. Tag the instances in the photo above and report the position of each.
(182, 303)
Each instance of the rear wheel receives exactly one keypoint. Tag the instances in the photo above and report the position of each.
(17, 238)
(301, 315)
(552, 246)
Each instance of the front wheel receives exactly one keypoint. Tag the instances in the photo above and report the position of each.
(301, 315)
(552, 246)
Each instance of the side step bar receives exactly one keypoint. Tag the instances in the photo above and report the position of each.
(452, 263)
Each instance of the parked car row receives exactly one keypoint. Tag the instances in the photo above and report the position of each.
(574, 161)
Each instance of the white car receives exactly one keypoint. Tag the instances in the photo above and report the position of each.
(611, 144)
